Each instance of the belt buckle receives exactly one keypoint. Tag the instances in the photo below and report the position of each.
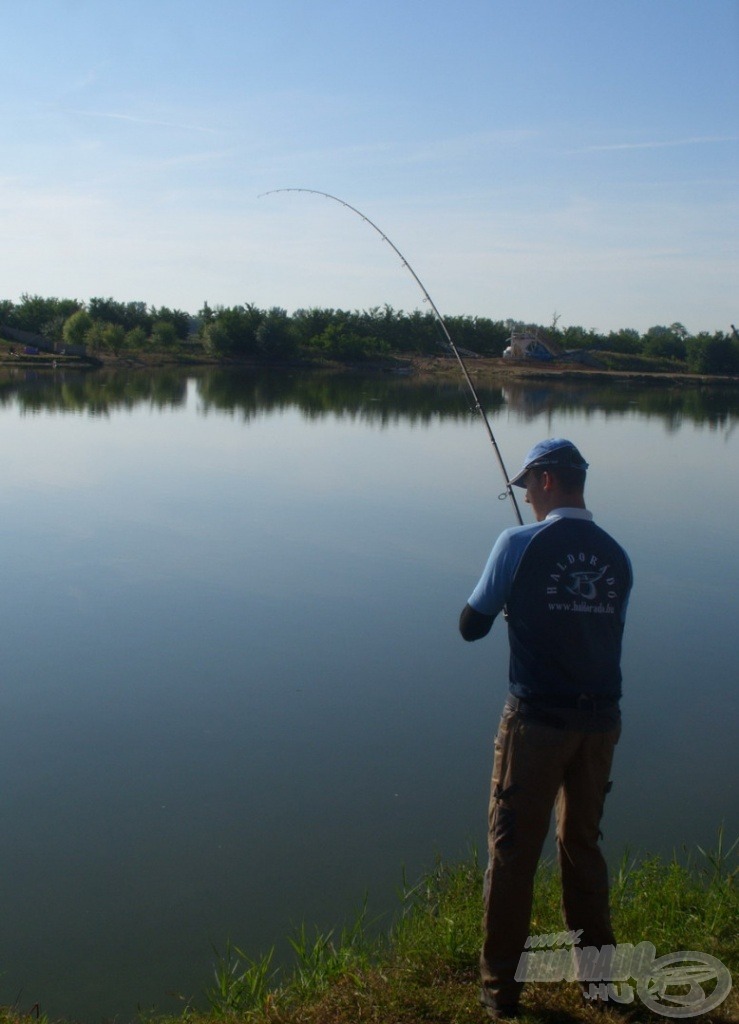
(586, 702)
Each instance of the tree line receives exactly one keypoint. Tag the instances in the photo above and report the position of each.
(105, 325)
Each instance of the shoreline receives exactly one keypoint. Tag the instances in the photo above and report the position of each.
(482, 369)
(490, 369)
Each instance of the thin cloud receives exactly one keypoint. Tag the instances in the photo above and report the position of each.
(131, 118)
(699, 140)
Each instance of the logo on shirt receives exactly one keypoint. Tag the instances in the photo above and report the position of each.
(582, 584)
(586, 580)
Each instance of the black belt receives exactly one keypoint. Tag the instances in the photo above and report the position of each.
(581, 702)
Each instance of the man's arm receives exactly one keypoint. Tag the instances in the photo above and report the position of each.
(474, 625)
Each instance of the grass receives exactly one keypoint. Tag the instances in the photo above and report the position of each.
(425, 970)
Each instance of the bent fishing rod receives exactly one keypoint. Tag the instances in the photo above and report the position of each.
(440, 320)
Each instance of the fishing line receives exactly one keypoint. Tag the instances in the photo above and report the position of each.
(478, 406)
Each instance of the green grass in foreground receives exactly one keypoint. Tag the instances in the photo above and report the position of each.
(425, 970)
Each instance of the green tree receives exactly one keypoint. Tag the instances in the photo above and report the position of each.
(665, 342)
(626, 340)
(127, 314)
(136, 339)
(40, 315)
(380, 323)
(76, 327)
(274, 336)
(479, 334)
(164, 334)
(713, 353)
(337, 341)
(115, 337)
(308, 324)
(205, 316)
(580, 338)
(232, 331)
(418, 332)
(216, 338)
(105, 337)
(179, 320)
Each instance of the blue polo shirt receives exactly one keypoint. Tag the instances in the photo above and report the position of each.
(564, 584)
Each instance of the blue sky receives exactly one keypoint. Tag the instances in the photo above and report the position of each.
(529, 158)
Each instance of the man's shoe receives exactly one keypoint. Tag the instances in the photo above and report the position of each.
(503, 1012)
(496, 1008)
(498, 1012)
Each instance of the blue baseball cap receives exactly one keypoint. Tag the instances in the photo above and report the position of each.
(555, 452)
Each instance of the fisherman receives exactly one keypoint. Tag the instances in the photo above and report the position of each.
(563, 584)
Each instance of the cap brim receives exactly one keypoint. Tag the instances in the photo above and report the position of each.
(520, 478)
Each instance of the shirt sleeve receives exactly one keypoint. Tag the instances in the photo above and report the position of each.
(494, 587)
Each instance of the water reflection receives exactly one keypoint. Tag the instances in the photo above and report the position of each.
(380, 398)
(97, 393)
(715, 405)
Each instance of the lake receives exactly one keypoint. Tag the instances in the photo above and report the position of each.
(234, 698)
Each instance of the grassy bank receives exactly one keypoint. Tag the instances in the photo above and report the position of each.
(426, 968)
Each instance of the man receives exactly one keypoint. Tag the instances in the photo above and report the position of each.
(563, 584)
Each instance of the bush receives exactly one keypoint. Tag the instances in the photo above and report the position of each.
(665, 343)
(233, 331)
(713, 353)
(76, 327)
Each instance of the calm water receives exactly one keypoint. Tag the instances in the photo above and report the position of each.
(233, 695)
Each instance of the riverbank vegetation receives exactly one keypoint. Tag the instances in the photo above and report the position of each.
(425, 969)
(106, 328)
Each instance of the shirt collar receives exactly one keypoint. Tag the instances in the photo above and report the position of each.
(570, 513)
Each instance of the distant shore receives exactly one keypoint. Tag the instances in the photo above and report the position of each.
(485, 369)
(482, 369)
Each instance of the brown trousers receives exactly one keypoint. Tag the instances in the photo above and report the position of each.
(539, 766)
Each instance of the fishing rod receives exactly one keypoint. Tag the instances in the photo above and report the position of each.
(478, 406)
